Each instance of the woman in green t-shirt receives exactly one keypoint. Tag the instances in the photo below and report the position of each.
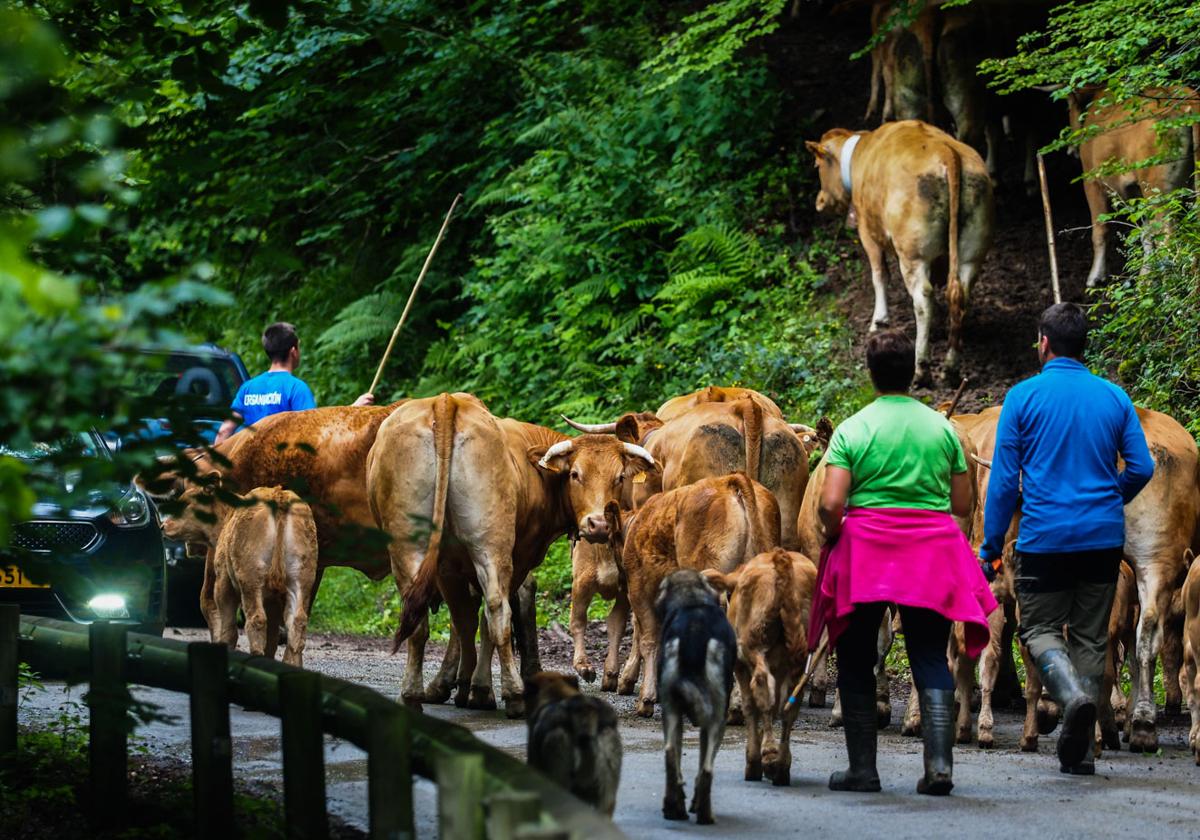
(895, 473)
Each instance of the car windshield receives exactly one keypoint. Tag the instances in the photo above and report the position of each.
(211, 380)
(82, 444)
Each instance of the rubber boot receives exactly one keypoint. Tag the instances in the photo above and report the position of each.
(1079, 707)
(937, 730)
(861, 725)
(1087, 766)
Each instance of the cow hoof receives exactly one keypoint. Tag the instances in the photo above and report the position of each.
(735, 717)
(514, 707)
(1144, 738)
(645, 708)
(437, 693)
(1110, 739)
(964, 735)
(673, 809)
(816, 699)
(705, 818)
(923, 378)
(880, 324)
(754, 771)
(1047, 720)
(1028, 744)
(986, 742)
(586, 673)
(411, 702)
(481, 697)
(625, 689)
(609, 683)
(461, 693)
(781, 776)
(883, 714)
(835, 720)
(911, 729)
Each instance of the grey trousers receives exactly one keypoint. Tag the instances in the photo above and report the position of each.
(1074, 590)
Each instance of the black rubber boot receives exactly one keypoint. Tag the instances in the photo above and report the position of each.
(862, 731)
(937, 730)
(1087, 766)
(1079, 707)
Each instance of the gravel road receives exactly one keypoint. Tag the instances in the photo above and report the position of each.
(1149, 796)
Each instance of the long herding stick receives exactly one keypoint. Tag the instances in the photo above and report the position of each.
(413, 295)
(817, 656)
(962, 386)
(1049, 229)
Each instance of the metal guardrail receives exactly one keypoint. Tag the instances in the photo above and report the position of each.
(482, 792)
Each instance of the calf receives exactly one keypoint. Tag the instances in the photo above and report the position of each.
(696, 656)
(716, 523)
(573, 738)
(921, 194)
(1190, 677)
(264, 552)
(769, 601)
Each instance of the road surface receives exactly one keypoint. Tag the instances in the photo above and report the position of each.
(1002, 791)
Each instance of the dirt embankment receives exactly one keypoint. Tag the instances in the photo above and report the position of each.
(827, 89)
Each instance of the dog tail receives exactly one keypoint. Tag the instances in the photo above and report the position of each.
(791, 609)
(423, 592)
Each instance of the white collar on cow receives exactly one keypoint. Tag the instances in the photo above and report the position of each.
(847, 154)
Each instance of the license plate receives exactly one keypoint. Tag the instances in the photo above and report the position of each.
(13, 578)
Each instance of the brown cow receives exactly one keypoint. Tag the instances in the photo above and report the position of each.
(596, 570)
(473, 502)
(769, 602)
(264, 558)
(676, 406)
(716, 523)
(1190, 677)
(921, 194)
(1129, 134)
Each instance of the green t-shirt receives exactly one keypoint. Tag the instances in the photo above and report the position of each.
(900, 454)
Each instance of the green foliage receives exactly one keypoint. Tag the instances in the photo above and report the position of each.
(349, 602)
(712, 36)
(1152, 315)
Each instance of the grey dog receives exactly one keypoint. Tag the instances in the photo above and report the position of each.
(696, 655)
(573, 738)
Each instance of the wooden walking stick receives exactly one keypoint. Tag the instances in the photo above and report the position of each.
(1049, 229)
(413, 295)
(962, 386)
(818, 656)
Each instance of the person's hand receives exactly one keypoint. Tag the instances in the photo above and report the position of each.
(989, 571)
(365, 399)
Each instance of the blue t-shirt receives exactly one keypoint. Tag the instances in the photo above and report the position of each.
(270, 393)
(1056, 453)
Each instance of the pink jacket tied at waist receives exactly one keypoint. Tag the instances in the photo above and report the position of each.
(917, 558)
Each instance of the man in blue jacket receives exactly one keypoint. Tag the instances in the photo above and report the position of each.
(1057, 444)
(278, 388)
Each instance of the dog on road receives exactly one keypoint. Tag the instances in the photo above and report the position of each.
(573, 738)
(696, 655)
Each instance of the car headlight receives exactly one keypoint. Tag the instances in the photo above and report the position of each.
(109, 605)
(131, 510)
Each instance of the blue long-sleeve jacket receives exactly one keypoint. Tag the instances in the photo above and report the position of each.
(1056, 455)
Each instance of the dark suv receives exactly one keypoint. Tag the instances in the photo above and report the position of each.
(209, 376)
(104, 553)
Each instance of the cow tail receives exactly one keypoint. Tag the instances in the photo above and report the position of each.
(277, 572)
(954, 290)
(422, 593)
(752, 430)
(791, 610)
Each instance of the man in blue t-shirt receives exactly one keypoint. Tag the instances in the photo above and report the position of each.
(1057, 444)
(278, 389)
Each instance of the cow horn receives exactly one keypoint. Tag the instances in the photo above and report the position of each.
(983, 462)
(591, 428)
(637, 452)
(560, 448)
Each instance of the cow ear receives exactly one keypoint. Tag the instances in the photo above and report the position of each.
(554, 464)
(629, 430)
(817, 149)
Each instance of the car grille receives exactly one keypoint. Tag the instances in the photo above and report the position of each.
(51, 537)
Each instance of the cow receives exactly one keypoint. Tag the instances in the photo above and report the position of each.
(1122, 135)
(676, 406)
(596, 570)
(264, 560)
(769, 602)
(921, 194)
(473, 502)
(1190, 676)
(716, 523)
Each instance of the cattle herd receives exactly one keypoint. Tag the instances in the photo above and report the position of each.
(699, 520)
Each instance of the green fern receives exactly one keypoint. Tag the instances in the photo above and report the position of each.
(369, 319)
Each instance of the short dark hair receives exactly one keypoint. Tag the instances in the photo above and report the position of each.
(278, 341)
(892, 360)
(1065, 324)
